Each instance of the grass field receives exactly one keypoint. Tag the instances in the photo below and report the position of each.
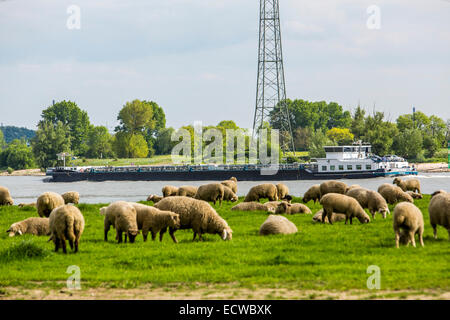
(156, 160)
(319, 257)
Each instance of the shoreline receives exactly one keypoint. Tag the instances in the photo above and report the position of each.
(421, 167)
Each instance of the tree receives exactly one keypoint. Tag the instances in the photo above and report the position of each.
(164, 143)
(49, 141)
(302, 138)
(17, 156)
(11, 133)
(99, 143)
(358, 123)
(2, 141)
(340, 136)
(128, 145)
(318, 141)
(409, 143)
(136, 117)
(379, 133)
(72, 117)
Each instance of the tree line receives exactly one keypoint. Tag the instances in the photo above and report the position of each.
(141, 132)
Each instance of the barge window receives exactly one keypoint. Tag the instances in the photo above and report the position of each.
(341, 167)
(324, 168)
(332, 168)
(368, 167)
(349, 167)
(358, 167)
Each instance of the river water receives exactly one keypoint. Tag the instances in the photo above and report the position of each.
(27, 189)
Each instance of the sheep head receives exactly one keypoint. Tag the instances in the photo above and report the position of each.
(14, 230)
(175, 221)
(227, 233)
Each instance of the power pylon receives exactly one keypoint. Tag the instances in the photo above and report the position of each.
(271, 88)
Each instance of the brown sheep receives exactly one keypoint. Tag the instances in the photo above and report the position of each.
(229, 195)
(335, 217)
(197, 215)
(283, 191)
(123, 217)
(71, 197)
(313, 193)
(231, 183)
(408, 185)
(293, 208)
(339, 203)
(439, 210)
(371, 200)
(333, 187)
(394, 194)
(5, 197)
(33, 226)
(415, 195)
(252, 206)
(262, 191)
(169, 191)
(409, 218)
(66, 223)
(187, 191)
(277, 225)
(154, 198)
(47, 202)
(211, 192)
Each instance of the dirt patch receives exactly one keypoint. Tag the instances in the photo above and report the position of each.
(216, 292)
(28, 172)
(432, 167)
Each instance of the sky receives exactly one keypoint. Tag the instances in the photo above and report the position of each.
(198, 58)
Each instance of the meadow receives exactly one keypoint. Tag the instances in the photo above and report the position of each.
(319, 257)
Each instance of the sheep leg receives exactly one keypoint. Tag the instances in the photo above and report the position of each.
(57, 243)
(411, 237)
(63, 243)
(421, 238)
(435, 230)
(373, 213)
(119, 236)
(200, 238)
(144, 235)
(71, 244)
(195, 236)
(76, 245)
(172, 235)
(324, 214)
(346, 219)
(351, 220)
(126, 237)
(161, 234)
(397, 238)
(153, 235)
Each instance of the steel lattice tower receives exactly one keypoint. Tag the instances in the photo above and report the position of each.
(271, 88)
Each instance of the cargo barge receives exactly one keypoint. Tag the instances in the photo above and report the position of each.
(341, 162)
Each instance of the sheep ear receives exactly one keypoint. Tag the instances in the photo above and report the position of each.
(20, 232)
(224, 234)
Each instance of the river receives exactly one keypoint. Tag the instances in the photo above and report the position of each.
(28, 188)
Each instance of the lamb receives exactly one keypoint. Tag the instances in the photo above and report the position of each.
(339, 203)
(33, 226)
(122, 216)
(211, 192)
(66, 223)
(313, 193)
(415, 195)
(187, 191)
(252, 206)
(394, 194)
(408, 221)
(47, 202)
(267, 190)
(371, 200)
(277, 225)
(5, 197)
(335, 217)
(285, 207)
(283, 191)
(169, 191)
(439, 210)
(154, 220)
(154, 198)
(197, 215)
(408, 185)
(23, 205)
(333, 187)
(229, 195)
(71, 197)
(231, 183)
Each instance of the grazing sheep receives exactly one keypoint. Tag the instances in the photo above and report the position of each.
(66, 223)
(371, 200)
(154, 220)
(439, 210)
(231, 183)
(154, 198)
(285, 207)
(415, 195)
(252, 206)
(5, 197)
(47, 202)
(229, 195)
(196, 215)
(409, 218)
(333, 186)
(211, 192)
(394, 194)
(335, 217)
(34, 226)
(71, 197)
(408, 185)
(354, 186)
(272, 205)
(283, 191)
(169, 191)
(339, 203)
(187, 191)
(313, 193)
(262, 191)
(122, 216)
(23, 205)
(103, 211)
(438, 192)
(277, 225)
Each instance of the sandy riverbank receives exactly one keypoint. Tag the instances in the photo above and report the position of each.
(28, 172)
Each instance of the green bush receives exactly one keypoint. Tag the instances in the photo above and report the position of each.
(10, 170)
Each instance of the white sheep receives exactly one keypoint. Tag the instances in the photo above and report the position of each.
(33, 226)
(211, 192)
(47, 202)
(439, 210)
(409, 218)
(66, 223)
(122, 216)
(277, 225)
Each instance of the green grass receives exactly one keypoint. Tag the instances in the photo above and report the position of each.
(319, 257)
(156, 160)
